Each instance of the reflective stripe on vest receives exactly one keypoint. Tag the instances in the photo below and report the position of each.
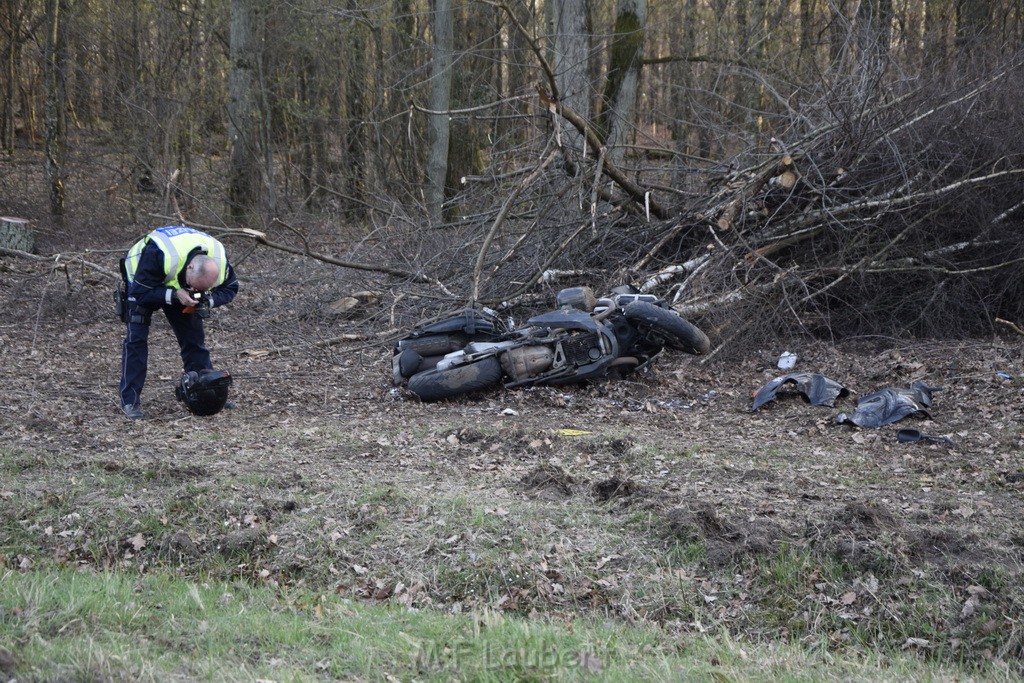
(176, 242)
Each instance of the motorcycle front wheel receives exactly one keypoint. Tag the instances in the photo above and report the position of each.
(435, 384)
(667, 327)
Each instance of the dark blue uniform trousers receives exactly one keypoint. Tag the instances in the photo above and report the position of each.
(188, 328)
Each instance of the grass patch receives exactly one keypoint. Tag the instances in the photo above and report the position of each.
(15, 461)
(688, 553)
(73, 625)
(469, 567)
(817, 599)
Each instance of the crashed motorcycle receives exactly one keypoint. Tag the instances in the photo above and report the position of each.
(585, 338)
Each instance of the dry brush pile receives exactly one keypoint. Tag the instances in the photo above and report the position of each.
(873, 209)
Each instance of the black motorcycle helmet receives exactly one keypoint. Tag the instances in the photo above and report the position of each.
(204, 392)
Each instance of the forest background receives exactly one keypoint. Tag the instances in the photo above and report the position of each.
(811, 167)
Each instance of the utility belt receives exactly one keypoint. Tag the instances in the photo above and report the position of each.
(127, 311)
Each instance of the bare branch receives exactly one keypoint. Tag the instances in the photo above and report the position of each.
(478, 269)
(261, 238)
(638, 194)
(470, 110)
(60, 261)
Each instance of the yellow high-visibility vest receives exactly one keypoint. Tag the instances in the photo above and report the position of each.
(176, 241)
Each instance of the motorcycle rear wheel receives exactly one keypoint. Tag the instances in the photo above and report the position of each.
(667, 327)
(435, 384)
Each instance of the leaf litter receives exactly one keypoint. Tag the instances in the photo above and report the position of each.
(625, 499)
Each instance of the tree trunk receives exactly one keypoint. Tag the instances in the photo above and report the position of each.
(362, 96)
(401, 55)
(617, 116)
(972, 26)
(439, 125)
(132, 101)
(839, 35)
(570, 61)
(751, 25)
(56, 100)
(14, 16)
(683, 92)
(517, 63)
(307, 160)
(808, 53)
(7, 114)
(81, 86)
(243, 109)
(937, 20)
(874, 36)
(476, 44)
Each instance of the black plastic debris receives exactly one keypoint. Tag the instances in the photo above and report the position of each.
(816, 389)
(889, 405)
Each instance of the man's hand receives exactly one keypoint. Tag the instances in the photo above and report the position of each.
(185, 298)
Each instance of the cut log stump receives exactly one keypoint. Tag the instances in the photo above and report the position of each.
(16, 233)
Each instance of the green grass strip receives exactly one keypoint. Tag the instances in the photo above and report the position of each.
(61, 624)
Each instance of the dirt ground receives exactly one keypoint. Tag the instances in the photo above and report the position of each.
(327, 473)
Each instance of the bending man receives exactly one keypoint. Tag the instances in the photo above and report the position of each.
(166, 269)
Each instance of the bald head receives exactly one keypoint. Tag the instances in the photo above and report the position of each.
(202, 273)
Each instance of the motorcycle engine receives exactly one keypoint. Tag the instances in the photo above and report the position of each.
(526, 361)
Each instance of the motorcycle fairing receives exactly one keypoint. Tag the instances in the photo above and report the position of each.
(565, 318)
(889, 405)
(816, 389)
(472, 321)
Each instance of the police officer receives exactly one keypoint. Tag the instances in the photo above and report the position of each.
(165, 270)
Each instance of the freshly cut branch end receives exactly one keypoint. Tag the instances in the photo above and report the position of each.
(1013, 326)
